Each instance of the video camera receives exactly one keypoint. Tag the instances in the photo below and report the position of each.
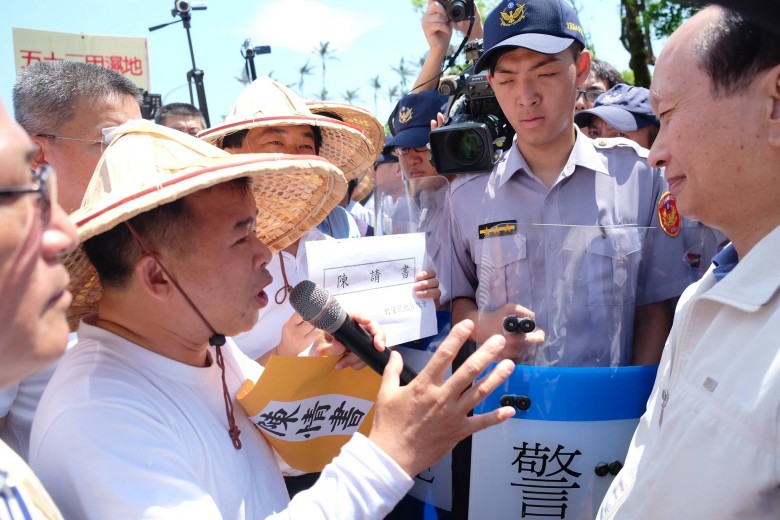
(476, 130)
(458, 10)
(182, 6)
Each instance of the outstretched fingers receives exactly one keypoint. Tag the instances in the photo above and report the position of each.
(479, 391)
(442, 359)
(476, 363)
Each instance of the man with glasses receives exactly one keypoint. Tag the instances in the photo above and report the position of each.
(63, 106)
(602, 77)
(412, 127)
(622, 111)
(34, 232)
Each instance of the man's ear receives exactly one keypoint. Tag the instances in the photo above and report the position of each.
(41, 145)
(583, 66)
(152, 278)
(773, 87)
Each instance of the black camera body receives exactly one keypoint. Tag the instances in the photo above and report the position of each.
(476, 131)
(458, 10)
(183, 7)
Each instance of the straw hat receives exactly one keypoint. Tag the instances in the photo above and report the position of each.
(264, 103)
(355, 116)
(364, 188)
(148, 165)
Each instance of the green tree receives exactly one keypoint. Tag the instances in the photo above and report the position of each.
(403, 71)
(326, 52)
(350, 96)
(377, 86)
(324, 94)
(304, 71)
(392, 93)
(642, 20)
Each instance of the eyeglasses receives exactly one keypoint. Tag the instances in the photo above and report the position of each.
(590, 94)
(403, 150)
(41, 187)
(80, 139)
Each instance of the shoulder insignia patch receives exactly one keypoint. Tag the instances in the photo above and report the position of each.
(668, 215)
(498, 229)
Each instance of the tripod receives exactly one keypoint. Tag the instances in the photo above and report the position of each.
(249, 54)
(183, 10)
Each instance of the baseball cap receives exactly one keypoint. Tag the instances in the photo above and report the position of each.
(387, 156)
(546, 26)
(412, 119)
(623, 107)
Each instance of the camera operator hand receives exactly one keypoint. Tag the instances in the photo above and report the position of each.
(476, 30)
(438, 33)
(419, 423)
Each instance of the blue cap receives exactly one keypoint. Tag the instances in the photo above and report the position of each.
(623, 107)
(412, 118)
(546, 26)
(387, 156)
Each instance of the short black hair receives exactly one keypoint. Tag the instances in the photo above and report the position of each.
(115, 252)
(734, 50)
(46, 93)
(177, 109)
(604, 71)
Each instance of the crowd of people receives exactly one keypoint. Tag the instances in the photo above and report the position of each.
(147, 266)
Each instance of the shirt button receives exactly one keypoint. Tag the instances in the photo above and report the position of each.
(553, 245)
(548, 200)
(555, 294)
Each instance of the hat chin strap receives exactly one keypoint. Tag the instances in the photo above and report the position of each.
(216, 340)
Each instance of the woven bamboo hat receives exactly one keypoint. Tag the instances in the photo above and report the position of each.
(355, 116)
(148, 165)
(368, 124)
(264, 103)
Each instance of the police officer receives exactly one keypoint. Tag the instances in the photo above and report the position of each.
(622, 111)
(614, 310)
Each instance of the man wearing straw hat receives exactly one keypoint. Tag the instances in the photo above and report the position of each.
(34, 231)
(140, 420)
(270, 118)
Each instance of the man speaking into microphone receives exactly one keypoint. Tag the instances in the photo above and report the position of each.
(174, 260)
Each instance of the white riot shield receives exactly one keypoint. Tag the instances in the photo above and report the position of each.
(420, 206)
(577, 398)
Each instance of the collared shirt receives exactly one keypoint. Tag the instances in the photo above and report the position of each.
(708, 445)
(339, 224)
(581, 254)
(725, 262)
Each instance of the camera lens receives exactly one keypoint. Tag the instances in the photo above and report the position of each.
(467, 146)
(456, 10)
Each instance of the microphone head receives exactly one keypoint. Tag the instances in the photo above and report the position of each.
(317, 306)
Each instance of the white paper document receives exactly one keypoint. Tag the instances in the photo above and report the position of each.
(375, 276)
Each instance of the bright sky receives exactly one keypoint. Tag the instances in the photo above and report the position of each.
(369, 37)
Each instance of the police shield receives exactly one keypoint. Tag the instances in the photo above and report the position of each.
(420, 206)
(583, 374)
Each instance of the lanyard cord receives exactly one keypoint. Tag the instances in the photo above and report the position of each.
(284, 290)
(216, 340)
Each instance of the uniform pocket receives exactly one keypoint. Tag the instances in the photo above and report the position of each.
(610, 267)
(502, 270)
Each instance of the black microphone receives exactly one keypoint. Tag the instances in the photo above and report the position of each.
(317, 306)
